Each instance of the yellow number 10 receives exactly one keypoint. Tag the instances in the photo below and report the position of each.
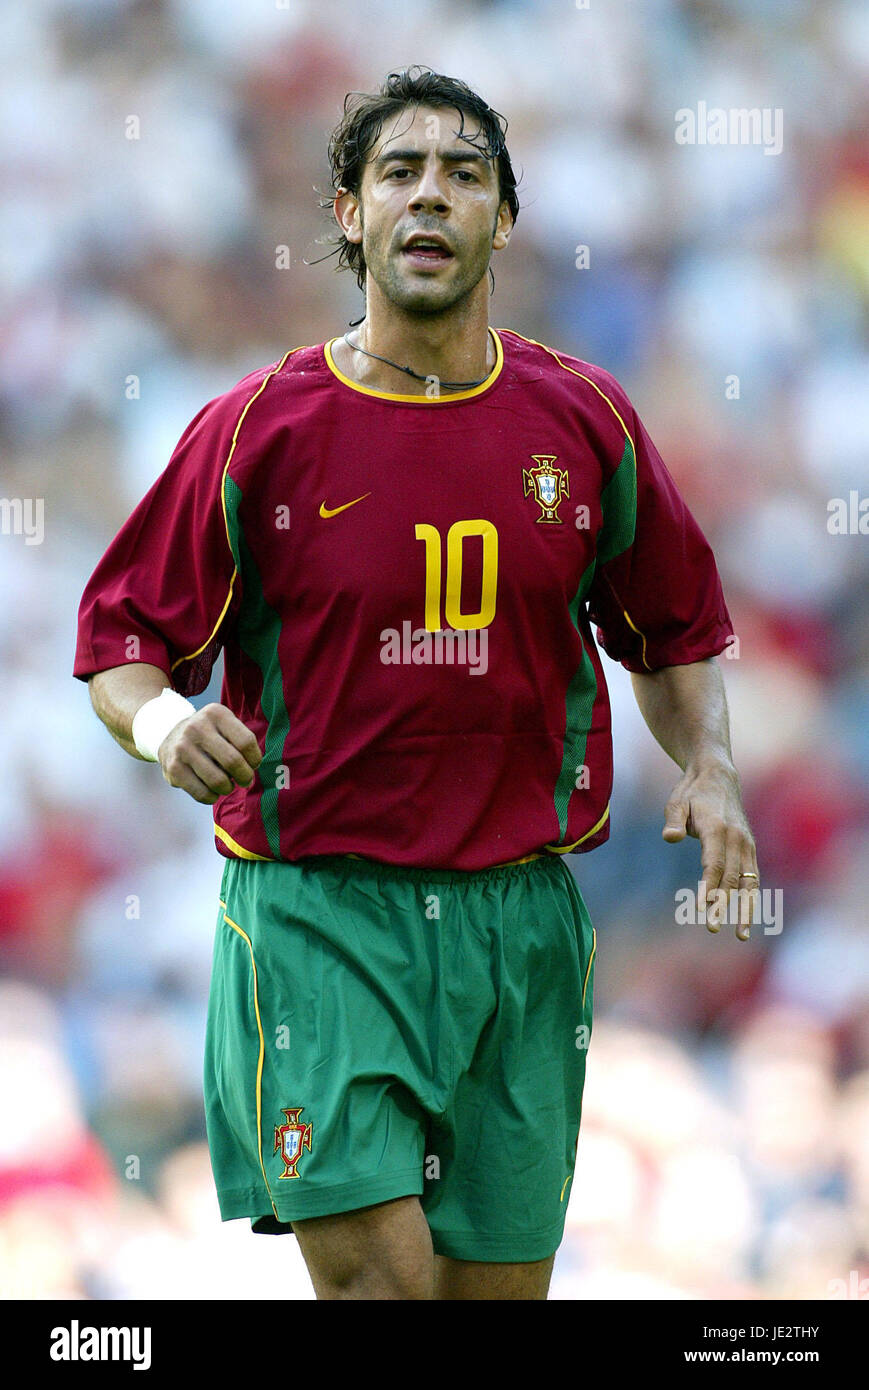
(452, 606)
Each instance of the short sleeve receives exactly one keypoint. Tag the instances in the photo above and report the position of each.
(656, 596)
(166, 589)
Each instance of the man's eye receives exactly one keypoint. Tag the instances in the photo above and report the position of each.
(393, 172)
(466, 174)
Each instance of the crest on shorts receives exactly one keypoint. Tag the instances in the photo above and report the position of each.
(292, 1139)
(549, 485)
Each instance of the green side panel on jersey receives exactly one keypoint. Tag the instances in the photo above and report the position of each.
(259, 630)
(618, 502)
(581, 695)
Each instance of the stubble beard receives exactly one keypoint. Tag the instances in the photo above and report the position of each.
(426, 299)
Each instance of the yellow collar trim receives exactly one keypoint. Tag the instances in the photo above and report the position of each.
(420, 400)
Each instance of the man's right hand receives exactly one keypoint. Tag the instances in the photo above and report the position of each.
(209, 754)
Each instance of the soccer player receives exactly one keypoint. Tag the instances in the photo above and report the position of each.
(400, 538)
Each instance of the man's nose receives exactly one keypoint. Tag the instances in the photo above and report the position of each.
(431, 192)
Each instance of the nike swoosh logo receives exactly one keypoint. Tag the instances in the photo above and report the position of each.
(333, 511)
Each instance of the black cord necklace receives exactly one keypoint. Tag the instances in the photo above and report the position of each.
(449, 385)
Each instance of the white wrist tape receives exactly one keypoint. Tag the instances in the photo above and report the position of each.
(157, 718)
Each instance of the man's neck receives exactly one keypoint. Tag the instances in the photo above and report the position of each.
(439, 349)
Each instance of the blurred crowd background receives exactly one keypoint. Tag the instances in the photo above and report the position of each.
(154, 156)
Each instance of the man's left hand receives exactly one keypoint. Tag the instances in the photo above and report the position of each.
(707, 803)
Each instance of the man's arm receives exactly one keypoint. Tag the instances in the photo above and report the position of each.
(686, 710)
(117, 694)
(205, 755)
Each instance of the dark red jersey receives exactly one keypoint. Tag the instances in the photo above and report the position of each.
(404, 587)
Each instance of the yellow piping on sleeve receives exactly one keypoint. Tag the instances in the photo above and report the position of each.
(190, 656)
(639, 634)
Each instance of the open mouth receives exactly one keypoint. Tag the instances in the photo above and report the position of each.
(427, 251)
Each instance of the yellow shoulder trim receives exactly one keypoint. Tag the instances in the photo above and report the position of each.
(615, 412)
(190, 656)
(574, 372)
(237, 848)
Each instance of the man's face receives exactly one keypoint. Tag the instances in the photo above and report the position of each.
(421, 180)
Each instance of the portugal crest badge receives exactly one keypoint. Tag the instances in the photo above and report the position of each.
(548, 484)
(292, 1139)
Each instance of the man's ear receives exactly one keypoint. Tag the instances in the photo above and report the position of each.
(348, 215)
(503, 228)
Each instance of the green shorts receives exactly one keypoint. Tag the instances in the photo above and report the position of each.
(376, 1032)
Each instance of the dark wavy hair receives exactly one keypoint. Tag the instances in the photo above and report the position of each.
(365, 114)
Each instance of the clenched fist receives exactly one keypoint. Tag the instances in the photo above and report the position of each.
(209, 754)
